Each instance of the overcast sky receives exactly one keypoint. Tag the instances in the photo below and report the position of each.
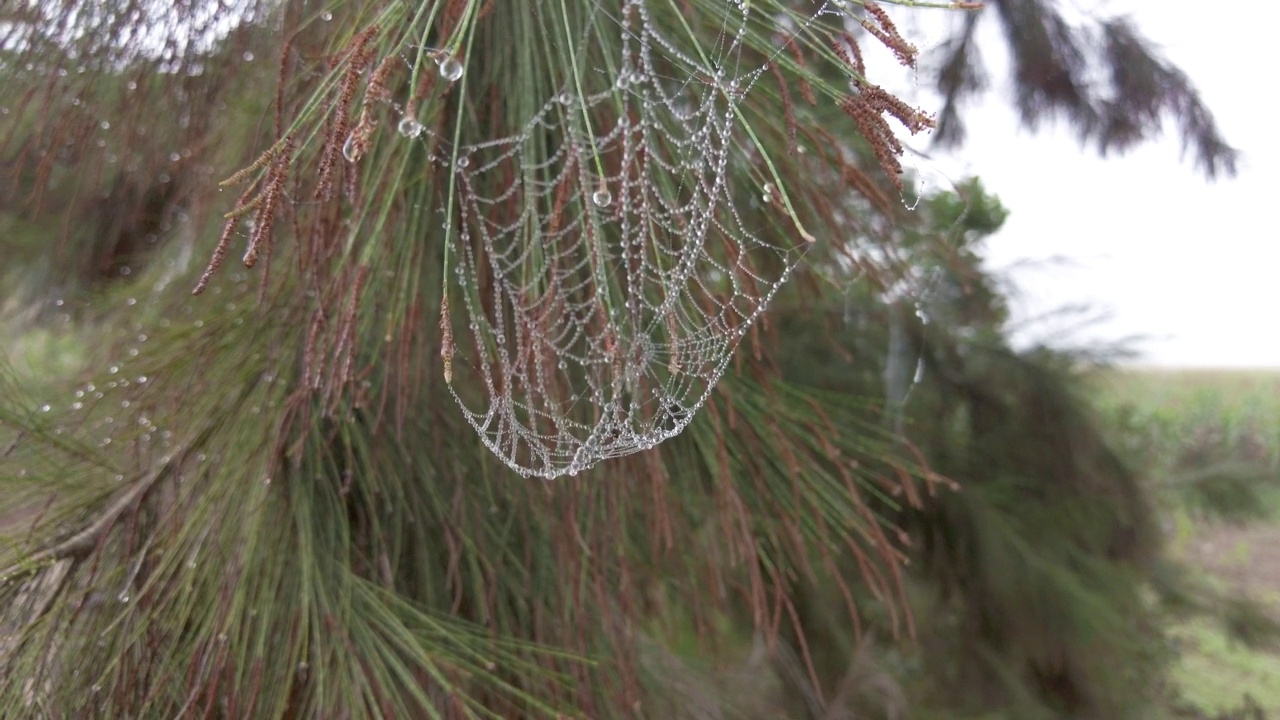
(1187, 264)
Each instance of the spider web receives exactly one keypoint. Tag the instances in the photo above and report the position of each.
(606, 273)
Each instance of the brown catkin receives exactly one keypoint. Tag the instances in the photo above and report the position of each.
(262, 161)
(886, 32)
(867, 107)
(219, 254)
(446, 340)
(788, 109)
(846, 47)
(220, 250)
(344, 375)
(673, 335)
(378, 90)
(361, 137)
(884, 145)
(265, 219)
(241, 210)
(806, 89)
(312, 360)
(340, 120)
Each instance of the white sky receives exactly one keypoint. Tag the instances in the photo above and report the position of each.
(1188, 265)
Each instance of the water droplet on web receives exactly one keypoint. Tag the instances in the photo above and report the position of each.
(450, 69)
(922, 179)
(463, 161)
(326, 16)
(556, 314)
(45, 408)
(409, 127)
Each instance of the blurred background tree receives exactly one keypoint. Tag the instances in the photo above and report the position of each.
(264, 502)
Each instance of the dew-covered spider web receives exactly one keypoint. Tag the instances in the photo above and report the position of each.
(604, 272)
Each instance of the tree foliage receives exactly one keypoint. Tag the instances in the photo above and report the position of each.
(1104, 78)
(263, 501)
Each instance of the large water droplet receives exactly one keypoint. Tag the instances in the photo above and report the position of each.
(602, 197)
(450, 68)
(409, 127)
(350, 151)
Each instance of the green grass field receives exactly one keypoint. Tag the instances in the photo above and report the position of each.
(1209, 441)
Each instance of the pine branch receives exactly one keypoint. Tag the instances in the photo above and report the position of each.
(82, 542)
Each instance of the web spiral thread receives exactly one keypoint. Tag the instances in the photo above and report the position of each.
(605, 271)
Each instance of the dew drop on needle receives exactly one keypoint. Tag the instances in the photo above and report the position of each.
(450, 69)
(350, 151)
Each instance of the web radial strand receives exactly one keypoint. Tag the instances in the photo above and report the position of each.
(606, 275)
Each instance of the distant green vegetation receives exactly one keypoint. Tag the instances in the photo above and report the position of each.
(1209, 442)
(1210, 439)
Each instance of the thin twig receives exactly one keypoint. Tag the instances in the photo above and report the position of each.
(84, 541)
(12, 446)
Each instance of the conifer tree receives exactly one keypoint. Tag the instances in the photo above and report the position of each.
(435, 355)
